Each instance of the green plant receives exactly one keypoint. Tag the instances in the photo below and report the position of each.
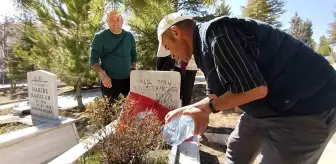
(133, 138)
(11, 127)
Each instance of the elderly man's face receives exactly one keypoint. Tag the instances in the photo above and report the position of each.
(175, 41)
(115, 22)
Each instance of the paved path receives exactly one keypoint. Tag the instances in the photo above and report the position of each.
(3, 86)
(64, 102)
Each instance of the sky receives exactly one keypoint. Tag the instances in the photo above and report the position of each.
(320, 12)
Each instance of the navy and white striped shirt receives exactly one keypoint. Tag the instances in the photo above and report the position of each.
(239, 55)
(237, 70)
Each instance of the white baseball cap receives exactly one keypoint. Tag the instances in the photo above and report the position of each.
(166, 22)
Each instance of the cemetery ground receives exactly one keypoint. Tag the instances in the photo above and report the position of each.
(213, 153)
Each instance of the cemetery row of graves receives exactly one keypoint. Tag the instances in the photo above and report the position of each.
(111, 134)
(129, 131)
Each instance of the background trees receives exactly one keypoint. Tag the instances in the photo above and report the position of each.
(302, 30)
(59, 40)
(265, 10)
(143, 23)
(55, 35)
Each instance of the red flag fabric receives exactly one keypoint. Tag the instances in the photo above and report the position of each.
(144, 103)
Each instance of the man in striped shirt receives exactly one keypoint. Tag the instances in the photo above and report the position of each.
(286, 90)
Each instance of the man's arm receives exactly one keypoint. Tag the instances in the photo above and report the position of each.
(95, 55)
(133, 53)
(237, 70)
(96, 67)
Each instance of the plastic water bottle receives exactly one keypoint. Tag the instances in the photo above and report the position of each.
(178, 130)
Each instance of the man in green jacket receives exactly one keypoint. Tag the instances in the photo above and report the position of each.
(115, 49)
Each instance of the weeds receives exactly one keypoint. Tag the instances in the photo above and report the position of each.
(135, 138)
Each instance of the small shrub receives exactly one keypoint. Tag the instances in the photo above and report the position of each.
(100, 113)
(11, 127)
(133, 137)
(5, 111)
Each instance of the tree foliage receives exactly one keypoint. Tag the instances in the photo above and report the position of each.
(332, 30)
(219, 10)
(265, 10)
(324, 47)
(17, 64)
(144, 24)
(61, 38)
(302, 30)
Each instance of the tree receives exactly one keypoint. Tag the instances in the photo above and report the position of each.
(144, 24)
(265, 10)
(220, 10)
(302, 30)
(324, 47)
(332, 30)
(9, 34)
(314, 45)
(62, 36)
(16, 68)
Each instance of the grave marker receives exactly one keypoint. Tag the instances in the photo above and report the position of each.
(42, 91)
(163, 86)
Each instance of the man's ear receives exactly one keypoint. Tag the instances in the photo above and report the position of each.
(176, 32)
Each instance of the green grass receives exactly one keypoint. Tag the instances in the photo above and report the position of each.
(95, 157)
(11, 127)
(5, 112)
(91, 157)
(157, 157)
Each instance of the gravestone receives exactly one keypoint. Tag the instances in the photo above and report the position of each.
(42, 90)
(50, 135)
(163, 86)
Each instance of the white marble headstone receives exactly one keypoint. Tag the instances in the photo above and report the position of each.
(42, 90)
(163, 86)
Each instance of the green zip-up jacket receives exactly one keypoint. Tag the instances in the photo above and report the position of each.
(117, 64)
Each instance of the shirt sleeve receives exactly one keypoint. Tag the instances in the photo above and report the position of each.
(96, 49)
(133, 50)
(235, 68)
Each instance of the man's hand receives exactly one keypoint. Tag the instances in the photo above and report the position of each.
(107, 82)
(133, 67)
(174, 114)
(200, 117)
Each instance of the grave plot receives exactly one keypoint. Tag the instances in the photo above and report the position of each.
(162, 88)
(48, 134)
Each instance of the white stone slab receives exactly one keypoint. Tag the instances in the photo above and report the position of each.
(72, 155)
(21, 110)
(163, 86)
(42, 91)
(8, 119)
(220, 139)
(37, 144)
(189, 152)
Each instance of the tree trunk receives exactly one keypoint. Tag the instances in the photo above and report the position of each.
(79, 95)
(176, 5)
(12, 87)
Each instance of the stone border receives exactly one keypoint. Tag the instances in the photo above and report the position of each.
(73, 154)
(40, 143)
(216, 138)
(186, 152)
